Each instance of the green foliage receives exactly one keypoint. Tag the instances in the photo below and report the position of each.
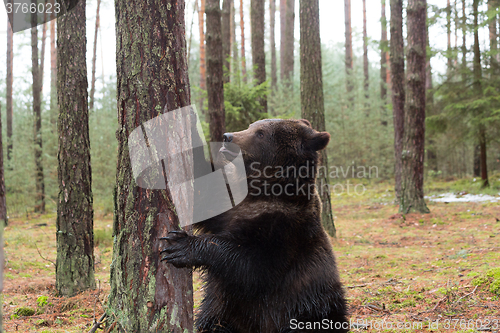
(242, 105)
(24, 311)
(41, 301)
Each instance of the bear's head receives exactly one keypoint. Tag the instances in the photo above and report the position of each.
(277, 151)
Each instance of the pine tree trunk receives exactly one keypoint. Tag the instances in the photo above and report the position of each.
(348, 49)
(258, 54)
(152, 77)
(10, 77)
(464, 45)
(235, 67)
(94, 57)
(412, 177)
(243, 57)
(226, 38)
(492, 26)
(42, 52)
(272, 41)
(215, 83)
(3, 204)
(478, 92)
(75, 215)
(311, 94)
(431, 149)
(384, 44)
(449, 56)
(203, 68)
(397, 61)
(37, 121)
(288, 56)
(366, 83)
(53, 70)
(282, 38)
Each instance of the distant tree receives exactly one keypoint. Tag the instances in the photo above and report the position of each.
(464, 45)
(366, 83)
(226, 38)
(37, 120)
(282, 38)
(288, 43)
(203, 68)
(492, 27)
(42, 52)
(234, 45)
(348, 48)
(243, 57)
(412, 177)
(429, 105)
(478, 92)
(449, 53)
(10, 76)
(384, 45)
(311, 94)
(272, 41)
(94, 57)
(215, 81)
(258, 53)
(75, 214)
(53, 69)
(397, 61)
(3, 203)
(145, 295)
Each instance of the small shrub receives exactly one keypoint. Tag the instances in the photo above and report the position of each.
(24, 311)
(42, 301)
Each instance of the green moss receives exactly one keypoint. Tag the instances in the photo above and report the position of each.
(24, 311)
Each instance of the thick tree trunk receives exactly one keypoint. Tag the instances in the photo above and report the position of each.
(397, 61)
(412, 177)
(384, 44)
(348, 48)
(215, 83)
(10, 64)
(478, 92)
(53, 70)
(366, 83)
(152, 77)
(226, 38)
(37, 121)
(3, 204)
(94, 57)
(243, 57)
(272, 23)
(289, 41)
(75, 215)
(311, 94)
(258, 53)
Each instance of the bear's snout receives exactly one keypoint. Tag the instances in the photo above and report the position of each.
(227, 137)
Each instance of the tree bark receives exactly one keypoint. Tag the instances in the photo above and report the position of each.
(366, 83)
(215, 83)
(478, 92)
(397, 61)
(243, 57)
(10, 77)
(258, 53)
(348, 49)
(226, 38)
(75, 215)
(272, 15)
(152, 78)
(311, 94)
(53, 70)
(3, 203)
(37, 120)
(384, 44)
(94, 57)
(289, 41)
(412, 178)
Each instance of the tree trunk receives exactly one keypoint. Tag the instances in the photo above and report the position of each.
(476, 167)
(348, 49)
(94, 57)
(288, 56)
(311, 94)
(397, 61)
(464, 45)
(10, 66)
(272, 15)
(492, 26)
(243, 57)
(431, 149)
(42, 52)
(366, 82)
(449, 56)
(384, 44)
(3, 204)
(412, 177)
(203, 68)
(258, 54)
(282, 38)
(75, 224)
(37, 121)
(152, 78)
(53, 70)
(478, 92)
(226, 38)
(215, 83)
(234, 46)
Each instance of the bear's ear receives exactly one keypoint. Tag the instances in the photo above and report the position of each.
(319, 141)
(305, 121)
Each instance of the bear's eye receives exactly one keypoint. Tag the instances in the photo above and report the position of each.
(260, 134)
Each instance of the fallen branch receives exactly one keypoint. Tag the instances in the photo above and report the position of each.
(357, 286)
(472, 292)
(53, 263)
(437, 304)
(97, 324)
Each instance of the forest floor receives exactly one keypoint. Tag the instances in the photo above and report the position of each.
(435, 272)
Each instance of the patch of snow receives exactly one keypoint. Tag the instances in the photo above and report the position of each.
(451, 197)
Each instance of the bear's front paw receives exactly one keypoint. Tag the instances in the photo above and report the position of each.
(179, 250)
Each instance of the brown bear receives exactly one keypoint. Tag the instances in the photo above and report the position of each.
(268, 264)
